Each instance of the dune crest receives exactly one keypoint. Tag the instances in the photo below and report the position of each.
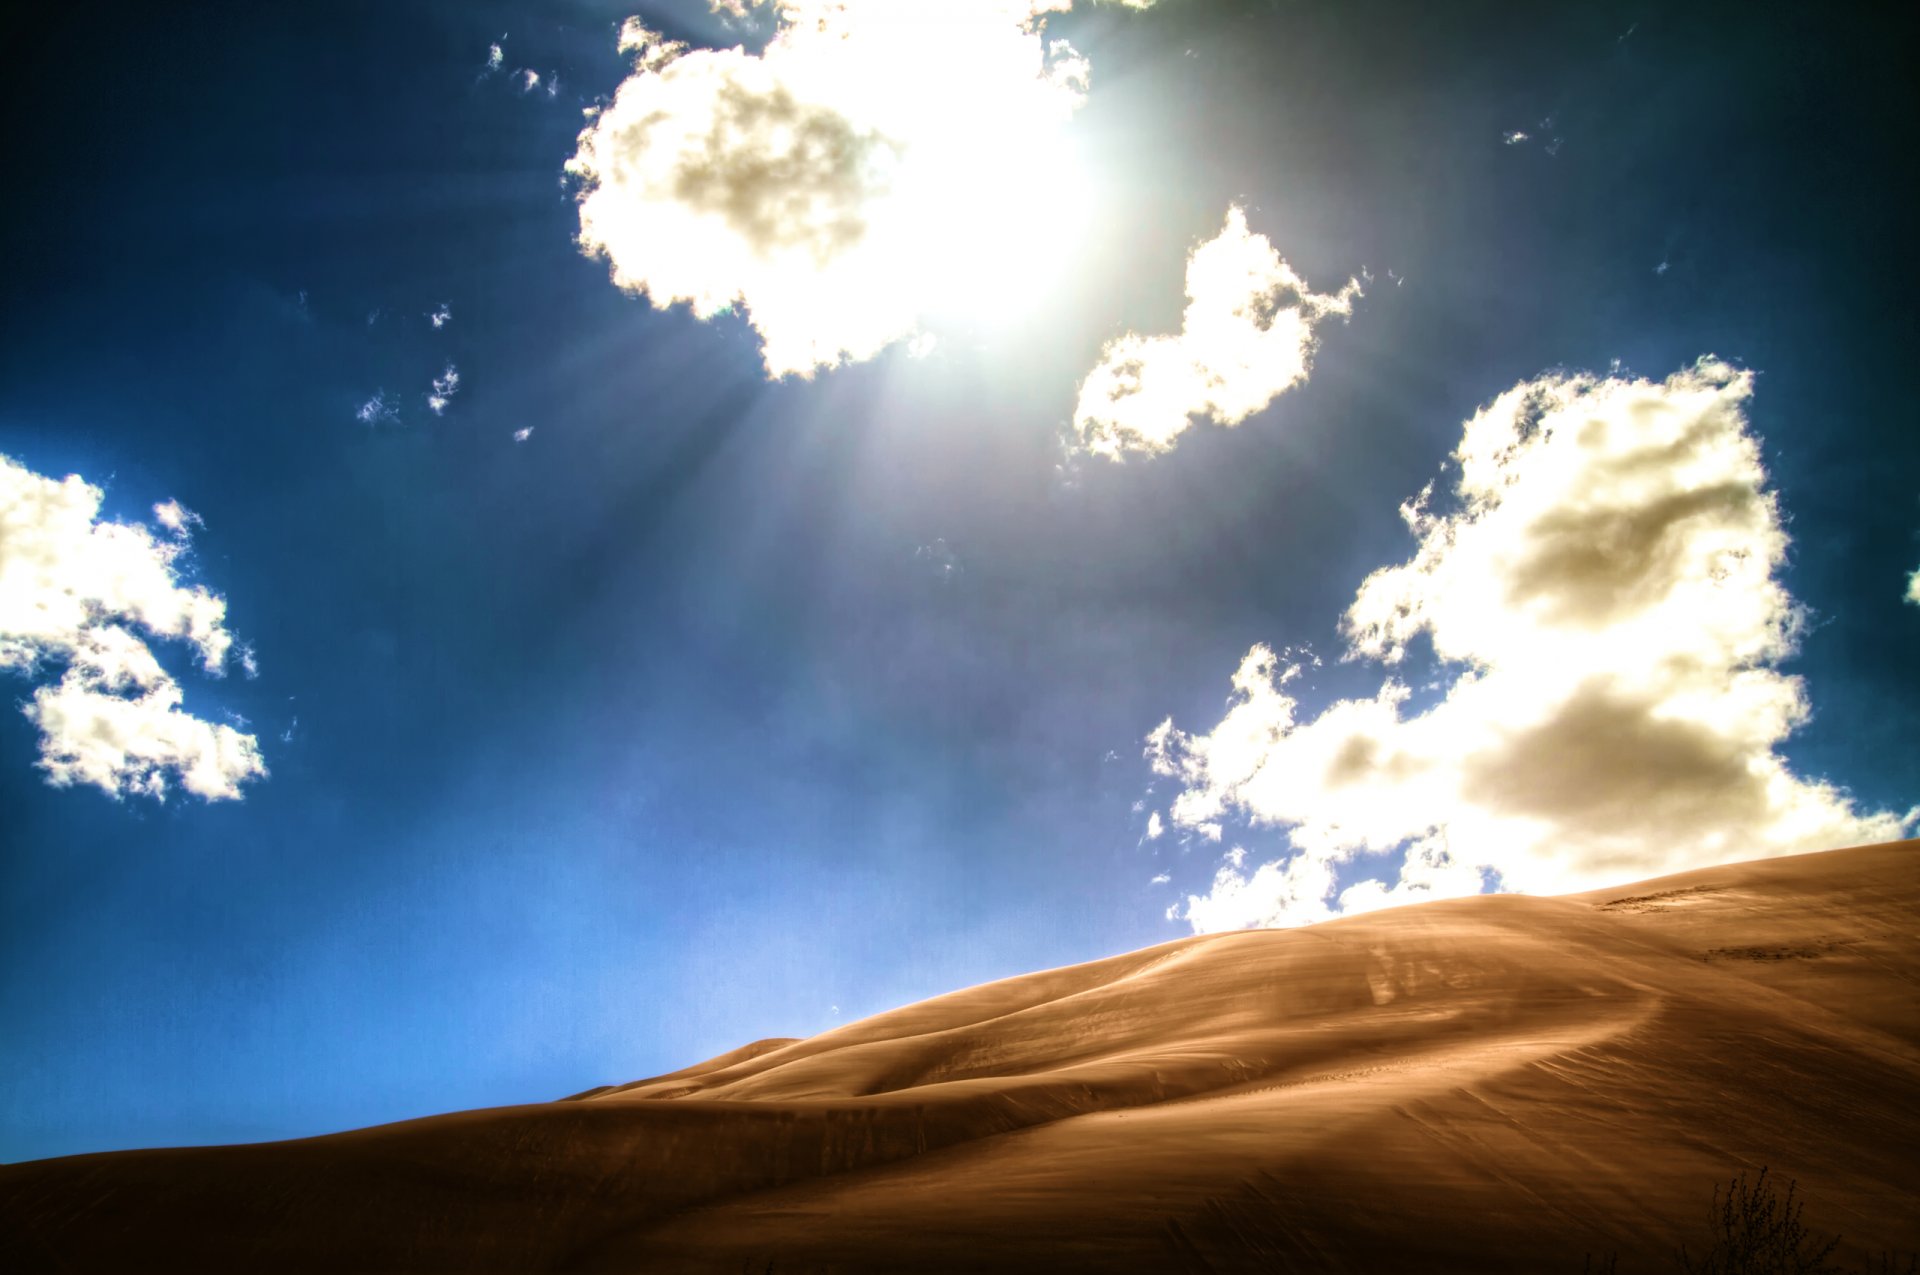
(1485, 1084)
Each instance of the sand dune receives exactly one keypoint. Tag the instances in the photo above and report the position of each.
(1490, 1084)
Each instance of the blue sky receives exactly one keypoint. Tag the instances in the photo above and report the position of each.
(722, 707)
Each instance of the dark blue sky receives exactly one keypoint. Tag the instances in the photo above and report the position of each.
(655, 734)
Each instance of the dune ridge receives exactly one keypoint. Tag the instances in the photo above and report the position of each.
(1486, 1084)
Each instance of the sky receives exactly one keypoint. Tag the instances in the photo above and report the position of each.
(540, 543)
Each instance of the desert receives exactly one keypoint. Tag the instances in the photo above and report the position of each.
(1498, 1083)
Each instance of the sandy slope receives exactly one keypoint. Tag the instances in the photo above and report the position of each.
(1488, 1084)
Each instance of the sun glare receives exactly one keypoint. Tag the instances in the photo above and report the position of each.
(878, 170)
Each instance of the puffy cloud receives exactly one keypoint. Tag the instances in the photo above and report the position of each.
(1247, 336)
(441, 316)
(1604, 604)
(72, 590)
(1913, 588)
(879, 162)
(1156, 826)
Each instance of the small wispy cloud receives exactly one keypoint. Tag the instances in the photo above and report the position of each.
(445, 386)
(1520, 136)
(522, 434)
(441, 316)
(940, 558)
(178, 520)
(378, 410)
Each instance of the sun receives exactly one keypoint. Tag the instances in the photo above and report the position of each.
(879, 170)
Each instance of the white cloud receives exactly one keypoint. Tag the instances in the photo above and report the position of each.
(1913, 588)
(1156, 826)
(72, 590)
(941, 560)
(377, 411)
(445, 386)
(176, 518)
(441, 316)
(529, 81)
(496, 57)
(1161, 878)
(878, 164)
(1247, 336)
(522, 434)
(1604, 604)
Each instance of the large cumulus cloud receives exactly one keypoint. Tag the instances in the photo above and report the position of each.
(878, 161)
(1603, 596)
(88, 594)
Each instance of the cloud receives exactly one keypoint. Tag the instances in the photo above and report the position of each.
(176, 518)
(522, 434)
(72, 590)
(445, 386)
(941, 561)
(1156, 826)
(377, 410)
(1603, 606)
(441, 316)
(1247, 336)
(1913, 588)
(736, 13)
(876, 164)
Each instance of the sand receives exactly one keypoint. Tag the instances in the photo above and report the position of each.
(1491, 1084)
